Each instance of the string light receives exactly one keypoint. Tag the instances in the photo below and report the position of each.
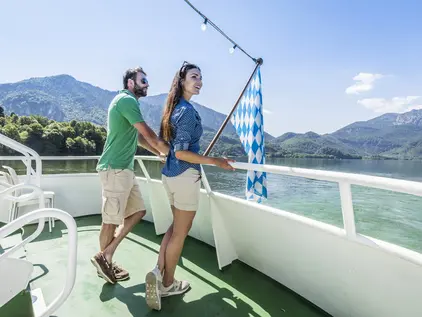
(204, 25)
(235, 45)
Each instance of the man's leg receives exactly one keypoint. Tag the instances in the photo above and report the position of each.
(106, 235)
(116, 186)
(134, 212)
(129, 223)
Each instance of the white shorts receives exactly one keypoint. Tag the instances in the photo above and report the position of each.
(121, 195)
(183, 190)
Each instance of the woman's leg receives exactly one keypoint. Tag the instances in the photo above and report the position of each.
(170, 250)
(182, 190)
(163, 247)
(181, 225)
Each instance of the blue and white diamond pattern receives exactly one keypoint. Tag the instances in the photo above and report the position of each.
(248, 121)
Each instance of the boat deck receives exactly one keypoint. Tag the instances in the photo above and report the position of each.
(238, 290)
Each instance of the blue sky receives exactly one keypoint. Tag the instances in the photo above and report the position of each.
(327, 63)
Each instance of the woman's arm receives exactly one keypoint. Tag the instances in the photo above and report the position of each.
(183, 135)
(194, 158)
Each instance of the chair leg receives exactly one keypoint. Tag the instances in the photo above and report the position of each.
(52, 206)
(15, 213)
(11, 214)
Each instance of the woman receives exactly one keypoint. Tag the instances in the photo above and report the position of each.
(181, 127)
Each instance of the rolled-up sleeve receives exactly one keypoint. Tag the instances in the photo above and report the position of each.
(184, 129)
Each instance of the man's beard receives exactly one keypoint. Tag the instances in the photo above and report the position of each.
(139, 91)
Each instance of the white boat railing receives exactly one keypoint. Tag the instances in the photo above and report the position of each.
(72, 251)
(344, 180)
(29, 156)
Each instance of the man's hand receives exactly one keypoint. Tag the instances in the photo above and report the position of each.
(166, 148)
(163, 158)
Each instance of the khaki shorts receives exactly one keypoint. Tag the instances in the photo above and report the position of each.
(121, 195)
(183, 190)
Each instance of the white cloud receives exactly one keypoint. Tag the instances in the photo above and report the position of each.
(364, 82)
(267, 111)
(396, 104)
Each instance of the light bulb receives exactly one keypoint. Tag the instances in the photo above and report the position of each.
(231, 50)
(204, 25)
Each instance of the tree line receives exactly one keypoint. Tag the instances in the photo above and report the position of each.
(49, 137)
(52, 138)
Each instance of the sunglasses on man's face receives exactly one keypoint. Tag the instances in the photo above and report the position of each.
(143, 81)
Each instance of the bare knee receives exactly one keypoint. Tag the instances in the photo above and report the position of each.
(108, 227)
(181, 232)
(141, 214)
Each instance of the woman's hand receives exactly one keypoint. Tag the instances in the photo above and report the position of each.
(223, 163)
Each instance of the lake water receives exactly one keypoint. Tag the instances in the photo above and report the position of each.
(385, 215)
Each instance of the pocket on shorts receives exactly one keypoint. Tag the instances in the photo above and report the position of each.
(191, 174)
(117, 171)
(122, 180)
(111, 203)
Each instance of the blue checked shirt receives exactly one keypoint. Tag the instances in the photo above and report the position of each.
(187, 130)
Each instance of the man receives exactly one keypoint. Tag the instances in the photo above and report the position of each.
(122, 203)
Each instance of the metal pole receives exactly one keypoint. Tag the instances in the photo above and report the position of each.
(259, 62)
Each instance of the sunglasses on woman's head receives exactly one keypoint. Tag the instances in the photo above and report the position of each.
(185, 63)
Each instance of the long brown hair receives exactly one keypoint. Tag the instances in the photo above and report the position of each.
(173, 98)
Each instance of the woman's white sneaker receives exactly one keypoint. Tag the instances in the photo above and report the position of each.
(153, 284)
(178, 287)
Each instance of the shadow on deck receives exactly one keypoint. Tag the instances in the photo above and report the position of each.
(238, 290)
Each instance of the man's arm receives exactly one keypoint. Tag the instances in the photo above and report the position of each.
(142, 142)
(151, 138)
(129, 108)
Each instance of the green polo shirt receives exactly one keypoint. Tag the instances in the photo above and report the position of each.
(122, 137)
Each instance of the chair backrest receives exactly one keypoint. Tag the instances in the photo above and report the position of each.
(13, 174)
(5, 204)
(7, 177)
(14, 177)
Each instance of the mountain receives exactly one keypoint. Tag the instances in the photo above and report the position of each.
(63, 98)
(390, 135)
(310, 144)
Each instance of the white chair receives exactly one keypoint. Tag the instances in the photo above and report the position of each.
(5, 204)
(48, 195)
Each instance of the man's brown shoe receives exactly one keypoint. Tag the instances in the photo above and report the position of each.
(104, 268)
(119, 273)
